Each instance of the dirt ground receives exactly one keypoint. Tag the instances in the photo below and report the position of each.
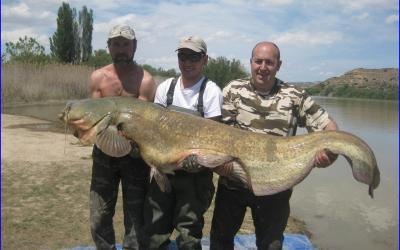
(45, 188)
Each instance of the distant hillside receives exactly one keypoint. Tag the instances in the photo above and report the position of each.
(304, 84)
(360, 83)
(367, 77)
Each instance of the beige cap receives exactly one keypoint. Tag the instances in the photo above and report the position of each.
(194, 43)
(122, 30)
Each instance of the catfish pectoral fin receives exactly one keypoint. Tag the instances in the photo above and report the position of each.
(161, 179)
(209, 158)
(212, 159)
(113, 144)
(238, 172)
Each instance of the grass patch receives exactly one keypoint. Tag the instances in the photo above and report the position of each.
(25, 82)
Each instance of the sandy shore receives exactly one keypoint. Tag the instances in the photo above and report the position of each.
(45, 188)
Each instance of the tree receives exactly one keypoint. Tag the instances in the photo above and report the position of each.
(62, 42)
(86, 28)
(160, 71)
(99, 59)
(26, 49)
(221, 70)
(76, 32)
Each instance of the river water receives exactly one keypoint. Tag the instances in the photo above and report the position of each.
(336, 208)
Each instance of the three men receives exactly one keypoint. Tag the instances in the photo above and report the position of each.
(262, 104)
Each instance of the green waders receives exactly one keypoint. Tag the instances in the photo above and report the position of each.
(181, 209)
(107, 173)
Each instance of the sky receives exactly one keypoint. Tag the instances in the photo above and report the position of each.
(318, 39)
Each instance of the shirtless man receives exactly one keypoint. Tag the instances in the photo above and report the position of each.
(121, 78)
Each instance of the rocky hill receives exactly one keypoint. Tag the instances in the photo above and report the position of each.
(367, 77)
(360, 83)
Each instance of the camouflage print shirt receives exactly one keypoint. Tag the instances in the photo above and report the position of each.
(271, 113)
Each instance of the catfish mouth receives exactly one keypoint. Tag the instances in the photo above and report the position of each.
(87, 133)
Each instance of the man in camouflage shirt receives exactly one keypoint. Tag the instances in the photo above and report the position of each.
(263, 104)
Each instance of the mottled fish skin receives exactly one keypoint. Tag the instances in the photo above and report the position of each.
(266, 164)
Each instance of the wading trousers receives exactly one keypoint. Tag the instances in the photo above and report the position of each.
(107, 173)
(270, 214)
(182, 209)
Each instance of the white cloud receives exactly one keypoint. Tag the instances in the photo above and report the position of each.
(270, 3)
(21, 14)
(392, 19)
(301, 38)
(14, 35)
(20, 10)
(223, 36)
(364, 4)
(273, 2)
(362, 16)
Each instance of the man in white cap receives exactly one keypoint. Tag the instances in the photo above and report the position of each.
(184, 206)
(121, 78)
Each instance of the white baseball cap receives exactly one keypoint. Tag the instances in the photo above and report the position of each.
(194, 43)
(122, 30)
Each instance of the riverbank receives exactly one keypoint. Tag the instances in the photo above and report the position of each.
(45, 188)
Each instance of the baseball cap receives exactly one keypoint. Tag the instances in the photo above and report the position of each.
(123, 31)
(194, 43)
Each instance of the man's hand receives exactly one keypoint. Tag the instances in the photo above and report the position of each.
(324, 158)
(135, 152)
(190, 164)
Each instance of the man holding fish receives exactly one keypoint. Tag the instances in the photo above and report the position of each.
(263, 104)
(121, 78)
(183, 206)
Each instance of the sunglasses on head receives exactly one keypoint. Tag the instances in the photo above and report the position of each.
(192, 57)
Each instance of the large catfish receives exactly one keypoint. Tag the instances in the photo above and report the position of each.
(265, 164)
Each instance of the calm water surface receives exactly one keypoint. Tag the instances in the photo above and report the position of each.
(336, 208)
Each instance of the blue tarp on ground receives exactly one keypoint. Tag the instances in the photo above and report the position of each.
(242, 242)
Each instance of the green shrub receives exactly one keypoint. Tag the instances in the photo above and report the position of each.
(222, 71)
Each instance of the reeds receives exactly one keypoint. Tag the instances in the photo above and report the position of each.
(24, 82)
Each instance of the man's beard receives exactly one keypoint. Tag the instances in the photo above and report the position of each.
(122, 60)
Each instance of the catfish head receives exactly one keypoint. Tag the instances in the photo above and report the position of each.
(94, 121)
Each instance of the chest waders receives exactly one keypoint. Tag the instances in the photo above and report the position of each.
(200, 106)
(183, 209)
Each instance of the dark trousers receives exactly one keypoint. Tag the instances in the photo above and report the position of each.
(270, 215)
(182, 209)
(107, 173)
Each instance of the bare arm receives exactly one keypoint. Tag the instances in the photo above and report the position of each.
(147, 88)
(95, 79)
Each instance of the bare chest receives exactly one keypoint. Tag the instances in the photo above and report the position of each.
(120, 86)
